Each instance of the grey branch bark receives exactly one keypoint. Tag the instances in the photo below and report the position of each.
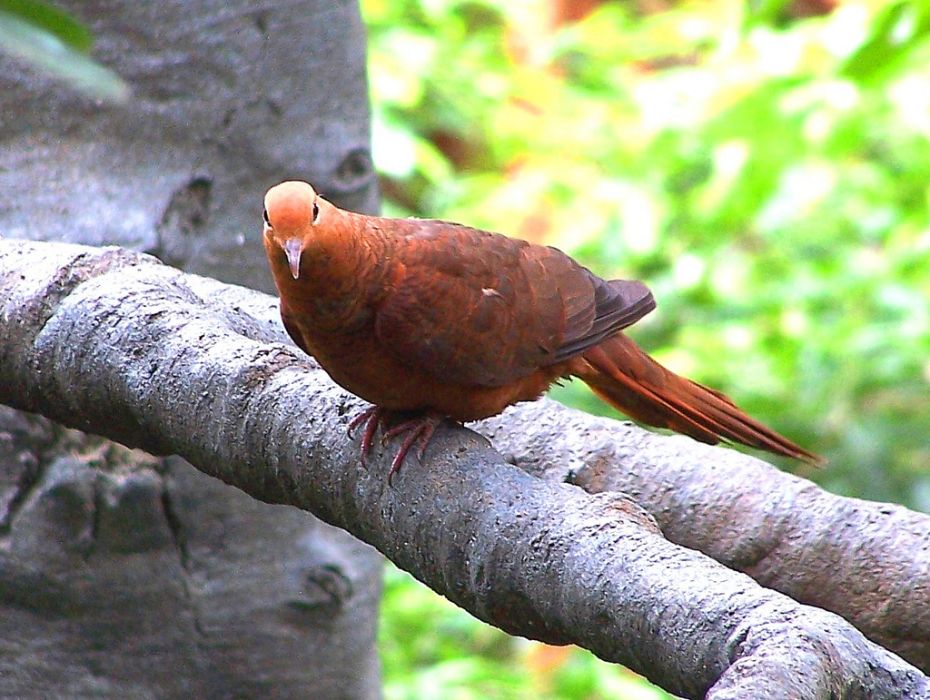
(864, 560)
(124, 576)
(113, 343)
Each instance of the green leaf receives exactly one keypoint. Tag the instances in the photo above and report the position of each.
(897, 31)
(46, 17)
(764, 13)
(57, 53)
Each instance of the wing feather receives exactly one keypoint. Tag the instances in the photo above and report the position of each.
(478, 308)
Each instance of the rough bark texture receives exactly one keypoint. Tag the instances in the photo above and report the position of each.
(229, 99)
(127, 576)
(116, 344)
(866, 561)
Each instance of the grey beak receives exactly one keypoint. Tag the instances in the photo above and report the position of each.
(292, 249)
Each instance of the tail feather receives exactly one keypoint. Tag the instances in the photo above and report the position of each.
(631, 381)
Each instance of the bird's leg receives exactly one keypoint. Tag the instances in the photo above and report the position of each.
(419, 431)
(372, 417)
(416, 431)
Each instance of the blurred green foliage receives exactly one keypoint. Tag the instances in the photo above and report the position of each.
(766, 173)
(50, 40)
(769, 181)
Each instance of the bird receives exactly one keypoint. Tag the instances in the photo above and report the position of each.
(431, 320)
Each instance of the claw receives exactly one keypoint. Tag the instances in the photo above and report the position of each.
(417, 431)
(373, 417)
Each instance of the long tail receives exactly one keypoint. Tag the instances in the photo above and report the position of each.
(631, 381)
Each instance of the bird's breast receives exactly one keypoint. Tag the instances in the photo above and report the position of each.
(359, 363)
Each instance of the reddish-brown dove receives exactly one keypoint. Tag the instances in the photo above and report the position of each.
(430, 320)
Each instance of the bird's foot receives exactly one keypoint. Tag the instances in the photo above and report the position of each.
(419, 431)
(416, 431)
(373, 417)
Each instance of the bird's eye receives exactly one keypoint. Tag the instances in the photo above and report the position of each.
(265, 217)
(316, 211)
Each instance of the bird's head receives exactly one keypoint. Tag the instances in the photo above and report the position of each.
(293, 211)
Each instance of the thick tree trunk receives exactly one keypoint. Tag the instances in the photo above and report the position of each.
(127, 576)
(117, 344)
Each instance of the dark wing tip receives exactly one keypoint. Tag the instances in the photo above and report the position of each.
(617, 304)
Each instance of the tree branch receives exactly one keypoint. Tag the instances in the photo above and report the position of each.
(864, 560)
(116, 344)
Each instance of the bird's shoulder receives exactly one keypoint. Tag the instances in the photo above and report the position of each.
(454, 249)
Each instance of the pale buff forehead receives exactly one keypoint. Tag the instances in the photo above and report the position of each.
(290, 204)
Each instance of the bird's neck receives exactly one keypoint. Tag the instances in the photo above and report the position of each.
(342, 273)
